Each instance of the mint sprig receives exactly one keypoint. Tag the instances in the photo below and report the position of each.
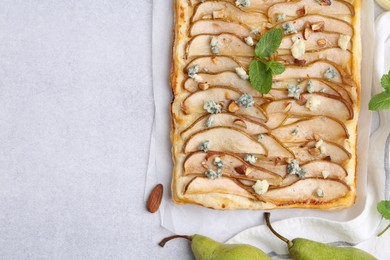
(382, 100)
(384, 209)
(262, 67)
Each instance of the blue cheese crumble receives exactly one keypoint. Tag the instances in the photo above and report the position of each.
(212, 107)
(294, 91)
(245, 100)
(211, 174)
(294, 168)
(214, 45)
(242, 73)
(218, 162)
(294, 132)
(261, 187)
(193, 73)
(250, 158)
(209, 121)
(249, 41)
(280, 17)
(243, 3)
(330, 73)
(204, 146)
(319, 193)
(260, 137)
(288, 28)
(310, 87)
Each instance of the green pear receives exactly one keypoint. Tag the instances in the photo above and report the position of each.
(205, 248)
(304, 249)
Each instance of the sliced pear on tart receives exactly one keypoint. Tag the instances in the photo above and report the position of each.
(255, 5)
(223, 95)
(225, 139)
(322, 127)
(330, 24)
(230, 12)
(228, 45)
(216, 64)
(336, 55)
(218, 27)
(306, 191)
(203, 185)
(225, 79)
(226, 119)
(274, 147)
(306, 152)
(233, 166)
(292, 9)
(324, 169)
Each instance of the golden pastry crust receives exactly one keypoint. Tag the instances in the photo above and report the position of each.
(325, 155)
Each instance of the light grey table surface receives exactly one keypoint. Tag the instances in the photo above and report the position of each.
(76, 111)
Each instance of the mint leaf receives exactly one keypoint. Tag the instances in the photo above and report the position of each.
(384, 208)
(380, 101)
(260, 77)
(275, 67)
(385, 81)
(269, 43)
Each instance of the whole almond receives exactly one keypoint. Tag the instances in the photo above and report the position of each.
(155, 198)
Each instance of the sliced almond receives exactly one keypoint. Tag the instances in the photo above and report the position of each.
(306, 33)
(155, 198)
(278, 160)
(325, 2)
(321, 42)
(328, 158)
(302, 11)
(314, 151)
(214, 59)
(203, 86)
(299, 62)
(318, 27)
(316, 137)
(233, 107)
(288, 107)
(301, 101)
(241, 169)
(240, 122)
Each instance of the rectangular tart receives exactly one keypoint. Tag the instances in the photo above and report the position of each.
(236, 148)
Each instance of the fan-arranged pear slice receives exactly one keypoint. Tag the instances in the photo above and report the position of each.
(327, 40)
(274, 147)
(225, 79)
(323, 127)
(330, 24)
(324, 169)
(255, 5)
(308, 151)
(291, 9)
(228, 44)
(305, 191)
(336, 55)
(276, 120)
(275, 165)
(203, 185)
(218, 27)
(225, 139)
(312, 70)
(316, 104)
(233, 166)
(230, 12)
(195, 101)
(217, 64)
(225, 119)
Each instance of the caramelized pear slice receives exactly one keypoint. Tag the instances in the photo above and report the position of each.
(336, 55)
(304, 191)
(203, 185)
(225, 79)
(323, 127)
(329, 39)
(306, 152)
(330, 24)
(225, 139)
(225, 119)
(233, 166)
(194, 102)
(255, 5)
(276, 120)
(228, 44)
(229, 12)
(337, 8)
(323, 104)
(218, 27)
(312, 70)
(274, 147)
(217, 64)
(324, 169)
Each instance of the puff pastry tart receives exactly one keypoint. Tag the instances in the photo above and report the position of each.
(236, 148)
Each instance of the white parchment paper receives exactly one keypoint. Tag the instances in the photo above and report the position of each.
(190, 219)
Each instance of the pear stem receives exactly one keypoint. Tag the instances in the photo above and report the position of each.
(165, 240)
(268, 222)
(381, 233)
